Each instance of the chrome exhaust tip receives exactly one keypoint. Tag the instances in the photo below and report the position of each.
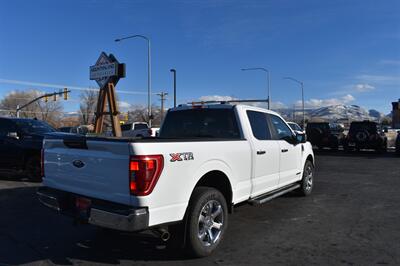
(163, 234)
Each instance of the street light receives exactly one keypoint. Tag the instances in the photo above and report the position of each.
(268, 80)
(174, 72)
(148, 71)
(302, 96)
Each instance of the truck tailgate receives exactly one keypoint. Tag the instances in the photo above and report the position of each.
(98, 169)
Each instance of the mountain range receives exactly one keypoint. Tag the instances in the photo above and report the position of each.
(334, 113)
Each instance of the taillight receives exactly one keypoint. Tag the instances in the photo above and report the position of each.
(42, 163)
(150, 132)
(144, 171)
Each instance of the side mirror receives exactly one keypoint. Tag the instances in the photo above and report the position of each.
(13, 135)
(300, 137)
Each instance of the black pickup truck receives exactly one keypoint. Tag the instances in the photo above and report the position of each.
(20, 145)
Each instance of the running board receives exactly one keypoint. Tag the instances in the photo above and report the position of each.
(273, 194)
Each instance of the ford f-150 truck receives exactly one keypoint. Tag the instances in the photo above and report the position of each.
(207, 159)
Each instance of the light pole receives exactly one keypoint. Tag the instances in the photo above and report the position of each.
(148, 71)
(268, 81)
(302, 96)
(174, 72)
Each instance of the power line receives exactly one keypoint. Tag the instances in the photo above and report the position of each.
(58, 86)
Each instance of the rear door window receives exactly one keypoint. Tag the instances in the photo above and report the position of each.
(259, 125)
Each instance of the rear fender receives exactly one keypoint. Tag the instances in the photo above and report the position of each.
(214, 165)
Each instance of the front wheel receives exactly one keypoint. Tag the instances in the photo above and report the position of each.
(307, 182)
(207, 221)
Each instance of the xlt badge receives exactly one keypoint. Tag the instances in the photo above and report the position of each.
(182, 156)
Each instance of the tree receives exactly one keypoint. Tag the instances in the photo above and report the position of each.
(50, 112)
(88, 106)
(138, 113)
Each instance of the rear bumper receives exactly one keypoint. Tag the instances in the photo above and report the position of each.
(100, 213)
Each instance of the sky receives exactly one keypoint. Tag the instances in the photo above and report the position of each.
(345, 52)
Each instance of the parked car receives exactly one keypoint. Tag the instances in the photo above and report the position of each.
(21, 144)
(398, 143)
(82, 129)
(322, 135)
(295, 127)
(137, 130)
(365, 135)
(183, 184)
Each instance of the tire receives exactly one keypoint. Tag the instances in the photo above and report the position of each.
(362, 136)
(307, 182)
(33, 169)
(205, 233)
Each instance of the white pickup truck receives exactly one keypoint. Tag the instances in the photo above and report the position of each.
(137, 129)
(207, 159)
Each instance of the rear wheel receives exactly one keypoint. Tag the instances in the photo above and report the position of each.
(307, 182)
(207, 221)
(32, 169)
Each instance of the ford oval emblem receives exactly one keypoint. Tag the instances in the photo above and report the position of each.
(78, 163)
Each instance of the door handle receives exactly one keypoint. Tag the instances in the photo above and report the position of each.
(261, 152)
(284, 150)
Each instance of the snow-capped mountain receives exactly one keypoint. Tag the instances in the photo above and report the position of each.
(334, 113)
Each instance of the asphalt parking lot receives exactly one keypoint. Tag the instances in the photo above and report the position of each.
(352, 218)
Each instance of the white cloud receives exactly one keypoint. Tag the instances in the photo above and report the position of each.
(363, 87)
(124, 105)
(317, 103)
(390, 62)
(216, 98)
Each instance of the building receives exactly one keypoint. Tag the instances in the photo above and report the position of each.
(396, 114)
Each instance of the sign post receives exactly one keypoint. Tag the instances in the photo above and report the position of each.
(106, 72)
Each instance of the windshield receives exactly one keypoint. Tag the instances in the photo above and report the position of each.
(126, 127)
(34, 126)
(295, 126)
(200, 123)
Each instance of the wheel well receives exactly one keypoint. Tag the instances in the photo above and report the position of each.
(219, 181)
(311, 159)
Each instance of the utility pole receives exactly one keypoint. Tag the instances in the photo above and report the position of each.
(162, 99)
